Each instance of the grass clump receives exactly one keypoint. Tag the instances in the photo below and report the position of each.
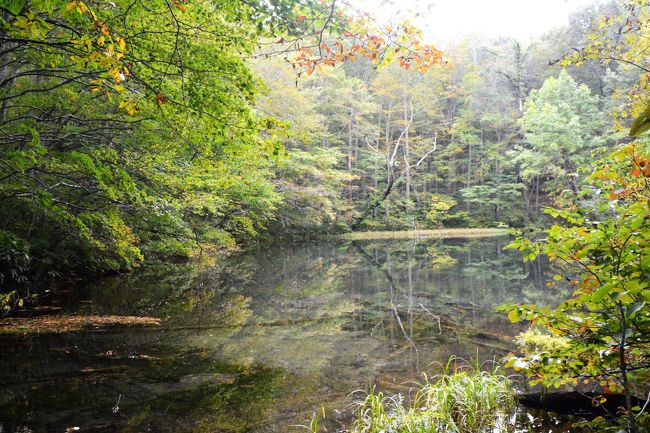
(463, 402)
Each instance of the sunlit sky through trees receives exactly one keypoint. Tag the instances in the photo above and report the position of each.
(444, 20)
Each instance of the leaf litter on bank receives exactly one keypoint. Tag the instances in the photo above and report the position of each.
(68, 323)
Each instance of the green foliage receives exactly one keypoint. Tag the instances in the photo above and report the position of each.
(463, 402)
(14, 255)
(126, 137)
(604, 252)
(619, 42)
(315, 420)
(496, 201)
(563, 125)
(473, 131)
(642, 123)
(534, 342)
(440, 206)
(308, 179)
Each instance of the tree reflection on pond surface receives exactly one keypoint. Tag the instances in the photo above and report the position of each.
(261, 340)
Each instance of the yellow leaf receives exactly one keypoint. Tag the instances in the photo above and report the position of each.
(114, 73)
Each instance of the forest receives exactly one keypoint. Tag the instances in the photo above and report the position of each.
(163, 150)
(143, 136)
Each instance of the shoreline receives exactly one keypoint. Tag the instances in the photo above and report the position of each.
(426, 234)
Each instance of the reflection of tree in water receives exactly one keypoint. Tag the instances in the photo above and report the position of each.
(447, 272)
(277, 331)
(243, 402)
(391, 319)
(138, 369)
(458, 283)
(440, 260)
(179, 294)
(499, 278)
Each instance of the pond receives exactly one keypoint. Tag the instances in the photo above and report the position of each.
(260, 341)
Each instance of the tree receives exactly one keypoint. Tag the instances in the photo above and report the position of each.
(617, 40)
(497, 199)
(309, 178)
(406, 137)
(563, 125)
(440, 206)
(130, 127)
(604, 252)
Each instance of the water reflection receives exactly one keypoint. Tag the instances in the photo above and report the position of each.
(260, 341)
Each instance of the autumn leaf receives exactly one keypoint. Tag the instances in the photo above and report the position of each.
(641, 123)
(179, 5)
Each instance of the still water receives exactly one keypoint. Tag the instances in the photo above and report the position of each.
(262, 340)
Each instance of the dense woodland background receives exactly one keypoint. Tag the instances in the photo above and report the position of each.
(134, 131)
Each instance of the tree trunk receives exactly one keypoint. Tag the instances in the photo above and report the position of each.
(350, 153)
(407, 170)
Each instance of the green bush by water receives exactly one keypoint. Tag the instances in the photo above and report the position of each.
(463, 402)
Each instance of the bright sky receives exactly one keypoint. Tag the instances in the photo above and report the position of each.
(444, 20)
